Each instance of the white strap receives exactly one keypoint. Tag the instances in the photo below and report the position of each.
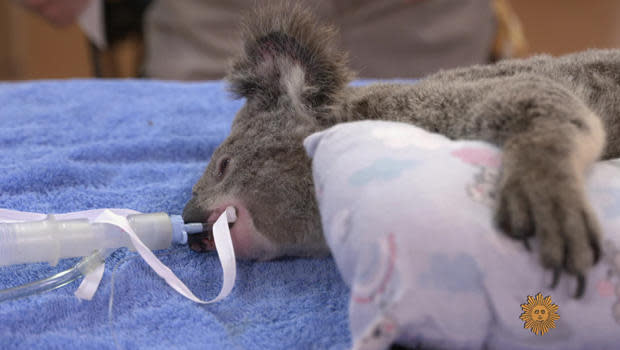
(90, 283)
(223, 244)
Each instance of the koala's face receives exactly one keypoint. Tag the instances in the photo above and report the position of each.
(263, 171)
(291, 77)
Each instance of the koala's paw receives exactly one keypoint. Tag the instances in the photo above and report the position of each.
(554, 209)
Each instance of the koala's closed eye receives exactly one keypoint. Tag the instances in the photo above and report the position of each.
(222, 166)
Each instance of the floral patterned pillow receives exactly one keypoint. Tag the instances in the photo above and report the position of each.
(408, 217)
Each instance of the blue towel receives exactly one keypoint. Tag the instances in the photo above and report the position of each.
(84, 144)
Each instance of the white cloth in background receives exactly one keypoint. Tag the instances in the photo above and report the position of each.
(92, 23)
(195, 39)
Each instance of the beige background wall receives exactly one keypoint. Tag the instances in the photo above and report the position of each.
(562, 26)
(32, 49)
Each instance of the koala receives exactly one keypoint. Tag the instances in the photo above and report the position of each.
(553, 117)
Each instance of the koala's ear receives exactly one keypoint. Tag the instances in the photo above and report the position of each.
(288, 58)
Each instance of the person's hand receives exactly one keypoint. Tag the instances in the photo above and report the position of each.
(58, 12)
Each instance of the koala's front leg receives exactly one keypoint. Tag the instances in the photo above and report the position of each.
(549, 138)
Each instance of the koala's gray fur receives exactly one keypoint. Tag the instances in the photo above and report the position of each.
(548, 114)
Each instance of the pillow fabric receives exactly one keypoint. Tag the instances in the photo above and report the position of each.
(408, 217)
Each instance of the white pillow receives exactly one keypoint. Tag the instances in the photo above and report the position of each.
(407, 215)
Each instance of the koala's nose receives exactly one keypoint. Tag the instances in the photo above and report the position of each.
(193, 212)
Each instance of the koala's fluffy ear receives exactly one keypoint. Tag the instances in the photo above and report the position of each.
(288, 58)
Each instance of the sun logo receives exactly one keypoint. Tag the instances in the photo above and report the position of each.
(539, 314)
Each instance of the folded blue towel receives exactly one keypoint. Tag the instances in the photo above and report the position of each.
(84, 144)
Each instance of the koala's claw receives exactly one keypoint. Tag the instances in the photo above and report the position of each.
(593, 239)
(556, 277)
(581, 286)
(556, 211)
(526, 244)
(581, 282)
